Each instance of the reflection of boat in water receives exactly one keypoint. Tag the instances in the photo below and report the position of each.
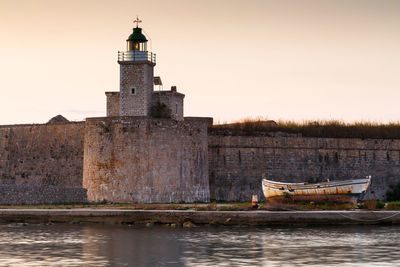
(341, 191)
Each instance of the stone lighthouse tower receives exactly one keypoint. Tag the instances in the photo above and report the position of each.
(136, 75)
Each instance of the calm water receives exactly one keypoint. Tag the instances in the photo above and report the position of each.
(115, 245)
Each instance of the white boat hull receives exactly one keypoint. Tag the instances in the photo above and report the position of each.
(341, 191)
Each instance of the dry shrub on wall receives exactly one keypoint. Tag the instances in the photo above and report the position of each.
(321, 128)
(370, 204)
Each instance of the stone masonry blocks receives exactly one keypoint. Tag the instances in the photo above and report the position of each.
(112, 104)
(236, 163)
(34, 195)
(173, 100)
(143, 160)
(47, 154)
(137, 76)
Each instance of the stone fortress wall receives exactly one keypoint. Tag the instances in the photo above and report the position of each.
(41, 161)
(144, 160)
(237, 163)
(42, 154)
(43, 194)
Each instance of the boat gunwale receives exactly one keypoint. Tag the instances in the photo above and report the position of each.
(305, 187)
(317, 185)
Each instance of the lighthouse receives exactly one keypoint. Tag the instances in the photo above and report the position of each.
(136, 75)
(136, 96)
(145, 150)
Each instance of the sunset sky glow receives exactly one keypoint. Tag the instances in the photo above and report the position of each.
(284, 59)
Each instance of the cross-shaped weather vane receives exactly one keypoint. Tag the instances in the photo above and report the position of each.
(137, 21)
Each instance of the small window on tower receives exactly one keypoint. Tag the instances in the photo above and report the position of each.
(133, 91)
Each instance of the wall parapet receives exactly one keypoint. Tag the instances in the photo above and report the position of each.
(40, 124)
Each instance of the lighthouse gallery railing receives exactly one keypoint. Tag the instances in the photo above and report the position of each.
(136, 56)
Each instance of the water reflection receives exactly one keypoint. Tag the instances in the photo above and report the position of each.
(115, 245)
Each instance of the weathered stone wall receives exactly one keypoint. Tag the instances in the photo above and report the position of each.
(137, 159)
(173, 100)
(42, 154)
(112, 104)
(143, 160)
(33, 195)
(137, 75)
(236, 163)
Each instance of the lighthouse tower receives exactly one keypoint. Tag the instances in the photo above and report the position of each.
(136, 75)
(136, 97)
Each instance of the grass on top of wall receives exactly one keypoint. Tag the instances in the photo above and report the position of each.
(326, 129)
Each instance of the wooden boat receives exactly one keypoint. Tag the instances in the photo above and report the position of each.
(338, 191)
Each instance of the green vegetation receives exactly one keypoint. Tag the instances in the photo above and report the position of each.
(394, 205)
(238, 206)
(213, 206)
(372, 204)
(327, 129)
(394, 193)
(224, 206)
(306, 206)
(160, 111)
(51, 206)
(328, 206)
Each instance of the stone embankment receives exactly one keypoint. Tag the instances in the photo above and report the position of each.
(179, 217)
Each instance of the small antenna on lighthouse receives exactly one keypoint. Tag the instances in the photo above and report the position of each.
(137, 21)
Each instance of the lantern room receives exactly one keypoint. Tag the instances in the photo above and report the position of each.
(136, 41)
(136, 47)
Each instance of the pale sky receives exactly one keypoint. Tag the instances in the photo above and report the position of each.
(284, 59)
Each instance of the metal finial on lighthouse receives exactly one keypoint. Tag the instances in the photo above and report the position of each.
(137, 21)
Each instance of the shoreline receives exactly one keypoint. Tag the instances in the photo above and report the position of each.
(193, 218)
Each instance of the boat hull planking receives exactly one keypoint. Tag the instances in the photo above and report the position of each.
(338, 191)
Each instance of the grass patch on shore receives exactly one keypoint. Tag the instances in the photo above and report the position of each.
(213, 206)
(305, 206)
(372, 204)
(50, 206)
(393, 205)
(321, 128)
(222, 206)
